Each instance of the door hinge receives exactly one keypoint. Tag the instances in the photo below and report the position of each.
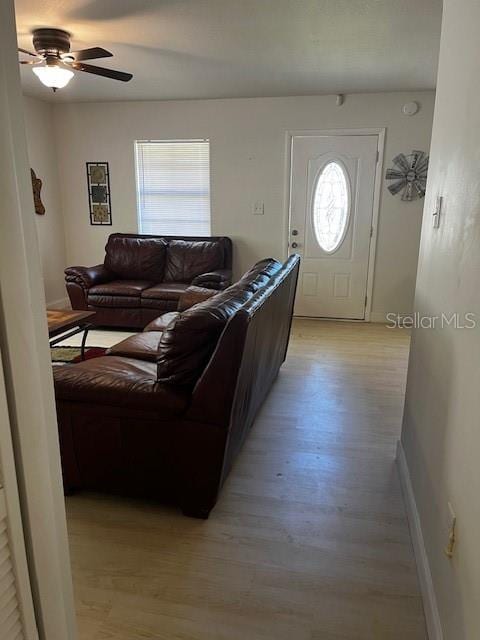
(378, 155)
(366, 298)
(371, 232)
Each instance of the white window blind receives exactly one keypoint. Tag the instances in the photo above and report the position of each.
(173, 187)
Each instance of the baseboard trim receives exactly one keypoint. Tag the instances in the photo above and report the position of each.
(62, 303)
(380, 316)
(376, 316)
(432, 616)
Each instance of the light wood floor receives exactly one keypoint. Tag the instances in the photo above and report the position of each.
(309, 540)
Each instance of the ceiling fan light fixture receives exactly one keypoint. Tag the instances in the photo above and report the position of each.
(53, 76)
(54, 62)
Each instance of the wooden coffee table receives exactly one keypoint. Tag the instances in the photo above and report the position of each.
(64, 323)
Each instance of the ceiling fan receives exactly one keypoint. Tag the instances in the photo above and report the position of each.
(55, 61)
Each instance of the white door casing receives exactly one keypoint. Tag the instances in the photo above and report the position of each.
(27, 365)
(334, 278)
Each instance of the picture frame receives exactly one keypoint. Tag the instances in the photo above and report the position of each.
(98, 183)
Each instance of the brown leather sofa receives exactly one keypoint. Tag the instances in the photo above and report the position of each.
(166, 411)
(144, 276)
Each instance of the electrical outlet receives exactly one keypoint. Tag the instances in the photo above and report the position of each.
(258, 208)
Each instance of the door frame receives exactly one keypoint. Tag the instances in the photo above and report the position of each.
(27, 367)
(375, 131)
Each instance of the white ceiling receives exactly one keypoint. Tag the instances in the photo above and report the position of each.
(242, 48)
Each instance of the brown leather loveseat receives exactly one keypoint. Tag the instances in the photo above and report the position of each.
(166, 411)
(144, 276)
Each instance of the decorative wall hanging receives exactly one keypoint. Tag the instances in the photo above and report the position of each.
(410, 175)
(98, 181)
(37, 200)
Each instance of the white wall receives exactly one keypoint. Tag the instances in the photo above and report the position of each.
(248, 159)
(50, 228)
(441, 431)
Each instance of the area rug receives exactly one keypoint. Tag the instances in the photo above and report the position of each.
(72, 355)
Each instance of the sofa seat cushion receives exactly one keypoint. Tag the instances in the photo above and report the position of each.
(130, 288)
(187, 259)
(118, 293)
(136, 257)
(119, 382)
(143, 346)
(162, 322)
(119, 302)
(164, 291)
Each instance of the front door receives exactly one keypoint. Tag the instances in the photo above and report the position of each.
(331, 207)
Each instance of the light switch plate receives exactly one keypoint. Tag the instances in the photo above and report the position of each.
(437, 212)
(258, 208)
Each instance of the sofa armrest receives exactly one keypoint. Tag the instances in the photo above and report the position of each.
(87, 277)
(140, 346)
(193, 295)
(219, 279)
(162, 322)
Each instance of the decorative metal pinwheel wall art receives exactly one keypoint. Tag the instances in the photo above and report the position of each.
(410, 175)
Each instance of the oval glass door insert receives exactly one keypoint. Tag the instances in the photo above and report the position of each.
(331, 207)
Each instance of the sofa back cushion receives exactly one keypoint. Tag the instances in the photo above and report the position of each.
(136, 258)
(267, 266)
(187, 259)
(258, 275)
(188, 342)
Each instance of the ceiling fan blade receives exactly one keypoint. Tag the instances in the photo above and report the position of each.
(29, 61)
(29, 53)
(88, 54)
(101, 71)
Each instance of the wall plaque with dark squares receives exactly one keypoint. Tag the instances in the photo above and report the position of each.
(98, 182)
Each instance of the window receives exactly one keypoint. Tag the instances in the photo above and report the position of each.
(331, 207)
(173, 187)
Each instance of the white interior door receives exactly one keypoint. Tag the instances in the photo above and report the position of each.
(331, 208)
(17, 621)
